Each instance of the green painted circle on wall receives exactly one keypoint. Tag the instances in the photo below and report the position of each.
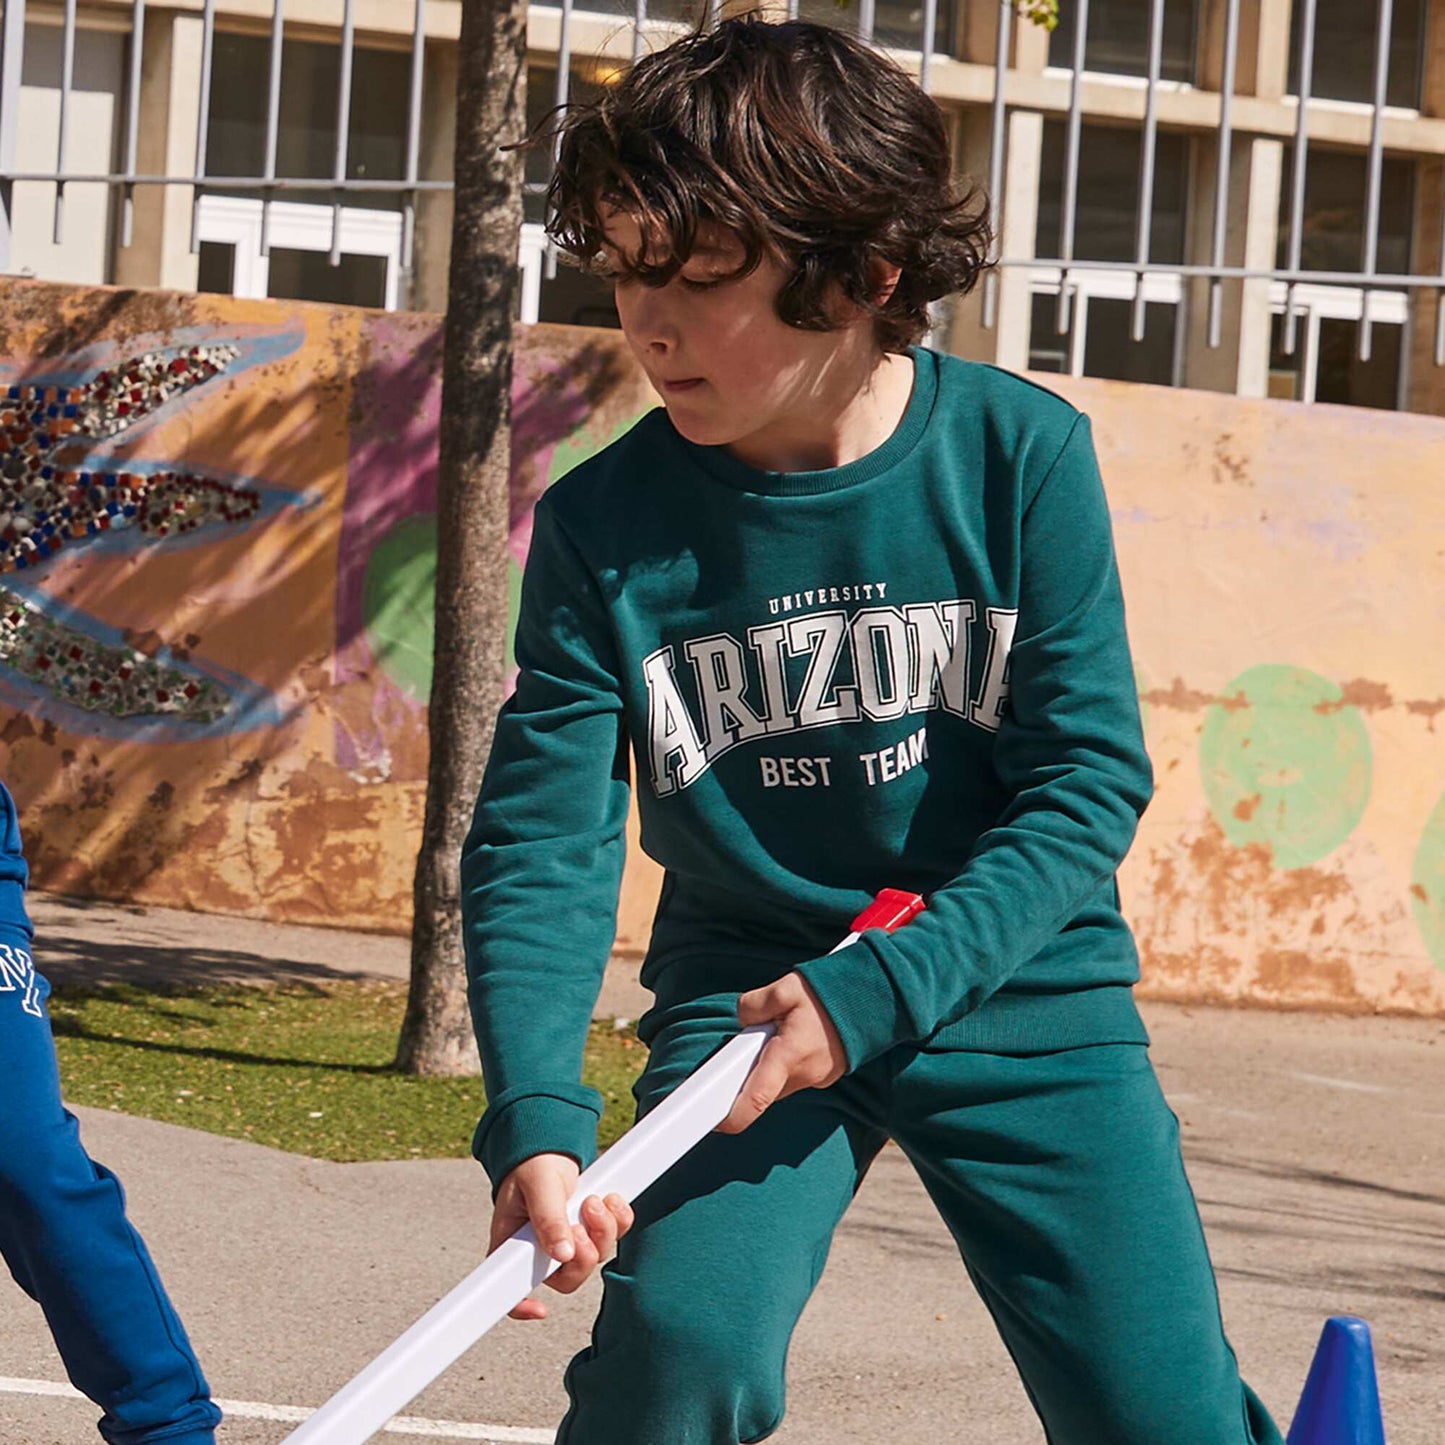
(398, 603)
(1286, 762)
(1427, 885)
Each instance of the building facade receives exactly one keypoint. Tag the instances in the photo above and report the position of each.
(1153, 224)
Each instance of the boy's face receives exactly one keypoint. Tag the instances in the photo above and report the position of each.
(730, 372)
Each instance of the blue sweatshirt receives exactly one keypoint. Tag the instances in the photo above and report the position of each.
(910, 671)
(16, 931)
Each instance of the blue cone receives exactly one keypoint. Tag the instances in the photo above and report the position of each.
(1341, 1400)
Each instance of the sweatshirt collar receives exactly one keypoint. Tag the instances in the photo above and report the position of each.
(720, 464)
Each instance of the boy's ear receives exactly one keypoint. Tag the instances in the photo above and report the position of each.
(883, 278)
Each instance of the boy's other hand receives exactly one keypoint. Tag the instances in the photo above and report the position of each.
(537, 1190)
(805, 1053)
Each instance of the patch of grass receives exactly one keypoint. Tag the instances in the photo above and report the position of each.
(300, 1068)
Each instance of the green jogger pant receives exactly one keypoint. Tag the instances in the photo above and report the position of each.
(1059, 1176)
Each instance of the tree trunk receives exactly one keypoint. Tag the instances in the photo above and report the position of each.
(472, 511)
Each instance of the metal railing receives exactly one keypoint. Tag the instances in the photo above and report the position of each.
(409, 186)
(1368, 277)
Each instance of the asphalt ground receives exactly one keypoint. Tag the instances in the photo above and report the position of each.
(1314, 1143)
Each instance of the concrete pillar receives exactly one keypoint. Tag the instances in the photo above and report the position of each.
(160, 249)
(1424, 381)
(1030, 46)
(431, 253)
(1262, 55)
(975, 37)
(1241, 361)
(1432, 96)
(1007, 344)
(975, 31)
(1269, 70)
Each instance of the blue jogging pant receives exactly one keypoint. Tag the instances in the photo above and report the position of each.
(63, 1228)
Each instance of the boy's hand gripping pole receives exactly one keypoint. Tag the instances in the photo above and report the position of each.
(511, 1272)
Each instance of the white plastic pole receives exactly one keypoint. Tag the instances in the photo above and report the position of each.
(506, 1277)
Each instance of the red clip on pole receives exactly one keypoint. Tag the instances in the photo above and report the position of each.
(891, 909)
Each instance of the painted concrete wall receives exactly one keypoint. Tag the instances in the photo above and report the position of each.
(214, 667)
(1282, 566)
(215, 631)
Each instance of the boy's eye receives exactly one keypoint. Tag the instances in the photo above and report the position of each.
(613, 276)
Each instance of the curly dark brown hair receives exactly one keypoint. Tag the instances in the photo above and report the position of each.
(808, 145)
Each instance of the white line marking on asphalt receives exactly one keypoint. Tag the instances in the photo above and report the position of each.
(1349, 1084)
(255, 1410)
(39, 1387)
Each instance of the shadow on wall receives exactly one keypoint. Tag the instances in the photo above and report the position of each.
(215, 618)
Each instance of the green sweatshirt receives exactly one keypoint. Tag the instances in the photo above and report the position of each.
(910, 671)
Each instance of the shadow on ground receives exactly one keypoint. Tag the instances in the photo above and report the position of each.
(74, 962)
(84, 943)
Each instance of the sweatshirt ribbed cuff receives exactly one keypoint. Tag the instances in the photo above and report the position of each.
(187, 1435)
(522, 1122)
(860, 999)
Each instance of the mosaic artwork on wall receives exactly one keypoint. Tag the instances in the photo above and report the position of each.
(217, 572)
(217, 575)
(65, 486)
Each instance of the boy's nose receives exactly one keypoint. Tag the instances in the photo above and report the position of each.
(651, 325)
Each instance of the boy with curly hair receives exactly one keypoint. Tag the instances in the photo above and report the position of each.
(853, 607)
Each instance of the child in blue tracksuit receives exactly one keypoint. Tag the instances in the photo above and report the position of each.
(63, 1229)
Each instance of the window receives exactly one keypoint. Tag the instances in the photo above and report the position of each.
(1108, 194)
(1118, 38)
(1111, 351)
(1344, 59)
(94, 132)
(299, 240)
(216, 268)
(1100, 339)
(1325, 364)
(585, 82)
(897, 24)
(569, 297)
(1341, 376)
(679, 12)
(304, 275)
(1336, 186)
(299, 265)
(1048, 349)
(306, 136)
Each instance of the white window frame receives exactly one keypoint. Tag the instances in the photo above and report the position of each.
(236, 221)
(1118, 78)
(1313, 304)
(532, 260)
(1159, 288)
